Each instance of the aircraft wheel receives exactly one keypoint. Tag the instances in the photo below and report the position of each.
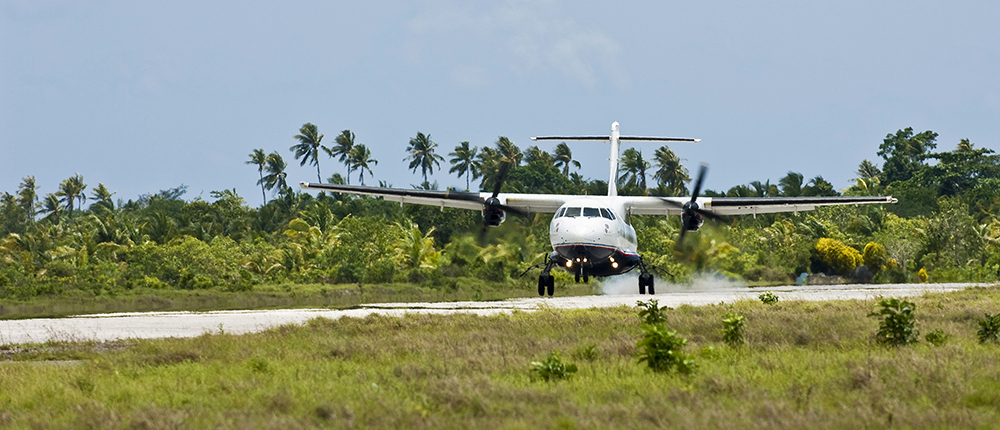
(577, 277)
(642, 287)
(651, 292)
(645, 280)
(586, 276)
(551, 285)
(541, 285)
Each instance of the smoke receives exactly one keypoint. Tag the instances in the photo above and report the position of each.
(706, 281)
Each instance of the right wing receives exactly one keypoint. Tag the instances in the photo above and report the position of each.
(537, 203)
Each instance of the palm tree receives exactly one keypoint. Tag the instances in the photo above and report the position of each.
(764, 189)
(564, 158)
(52, 208)
(791, 184)
(27, 197)
(670, 174)
(868, 170)
(464, 162)
(275, 173)
(634, 168)
(422, 154)
(103, 198)
(361, 159)
(509, 151)
(342, 150)
(535, 153)
(489, 164)
(258, 158)
(71, 189)
(964, 145)
(308, 146)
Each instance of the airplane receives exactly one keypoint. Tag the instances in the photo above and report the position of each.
(593, 235)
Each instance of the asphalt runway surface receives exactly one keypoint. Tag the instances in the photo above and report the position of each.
(108, 327)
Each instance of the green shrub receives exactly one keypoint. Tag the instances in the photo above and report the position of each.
(552, 368)
(875, 257)
(936, 337)
(661, 347)
(732, 329)
(898, 326)
(989, 328)
(651, 312)
(768, 298)
(586, 352)
(838, 256)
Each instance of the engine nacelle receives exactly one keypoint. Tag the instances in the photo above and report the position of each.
(690, 218)
(494, 217)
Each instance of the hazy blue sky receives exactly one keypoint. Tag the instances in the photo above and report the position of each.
(144, 96)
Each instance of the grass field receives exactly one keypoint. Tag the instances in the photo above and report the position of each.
(804, 365)
(273, 296)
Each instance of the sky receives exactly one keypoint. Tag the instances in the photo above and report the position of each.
(145, 96)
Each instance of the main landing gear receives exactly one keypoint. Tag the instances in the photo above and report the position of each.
(645, 279)
(546, 282)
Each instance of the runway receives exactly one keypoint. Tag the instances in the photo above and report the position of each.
(107, 327)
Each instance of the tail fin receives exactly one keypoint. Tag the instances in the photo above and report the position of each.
(614, 138)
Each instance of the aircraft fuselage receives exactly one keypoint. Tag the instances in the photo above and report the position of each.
(590, 237)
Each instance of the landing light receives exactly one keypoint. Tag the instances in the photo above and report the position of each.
(584, 259)
(569, 263)
(614, 264)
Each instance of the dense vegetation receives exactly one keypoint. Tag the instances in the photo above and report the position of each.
(801, 365)
(945, 227)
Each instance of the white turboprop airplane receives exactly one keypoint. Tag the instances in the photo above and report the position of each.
(591, 235)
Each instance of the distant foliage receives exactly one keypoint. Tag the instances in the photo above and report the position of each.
(661, 349)
(898, 325)
(838, 256)
(922, 275)
(732, 329)
(875, 257)
(552, 368)
(768, 298)
(989, 328)
(586, 352)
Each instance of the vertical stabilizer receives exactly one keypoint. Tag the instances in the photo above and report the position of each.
(613, 179)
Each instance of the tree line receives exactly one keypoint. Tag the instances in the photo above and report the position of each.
(944, 228)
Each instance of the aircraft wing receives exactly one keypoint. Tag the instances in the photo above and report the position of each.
(744, 205)
(535, 203)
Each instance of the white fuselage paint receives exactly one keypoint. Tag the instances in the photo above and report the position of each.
(593, 233)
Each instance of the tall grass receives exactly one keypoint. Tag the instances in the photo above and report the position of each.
(803, 364)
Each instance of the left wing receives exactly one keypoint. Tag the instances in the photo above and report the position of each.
(744, 205)
(544, 203)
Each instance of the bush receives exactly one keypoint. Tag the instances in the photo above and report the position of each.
(989, 328)
(661, 348)
(768, 298)
(587, 352)
(732, 329)
(936, 337)
(552, 368)
(898, 322)
(651, 312)
(875, 257)
(837, 256)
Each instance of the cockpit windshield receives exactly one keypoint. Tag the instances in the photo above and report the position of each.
(585, 212)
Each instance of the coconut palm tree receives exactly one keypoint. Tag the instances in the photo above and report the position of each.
(634, 169)
(52, 208)
(564, 158)
(259, 159)
(509, 151)
(535, 153)
(275, 173)
(342, 150)
(791, 184)
(27, 196)
(308, 147)
(868, 170)
(361, 159)
(670, 174)
(102, 197)
(464, 162)
(71, 189)
(422, 154)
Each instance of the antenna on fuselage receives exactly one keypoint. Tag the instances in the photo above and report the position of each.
(615, 138)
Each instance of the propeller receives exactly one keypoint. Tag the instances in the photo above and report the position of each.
(492, 205)
(690, 211)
